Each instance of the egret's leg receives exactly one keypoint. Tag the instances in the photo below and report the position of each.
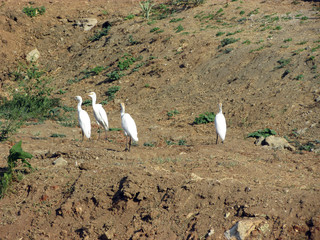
(99, 131)
(126, 143)
(129, 144)
(217, 139)
(82, 135)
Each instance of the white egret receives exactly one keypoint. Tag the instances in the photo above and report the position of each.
(84, 119)
(99, 113)
(220, 123)
(129, 126)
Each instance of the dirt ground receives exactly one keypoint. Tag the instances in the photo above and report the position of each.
(160, 189)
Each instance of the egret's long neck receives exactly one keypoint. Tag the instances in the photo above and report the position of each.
(79, 105)
(220, 108)
(122, 111)
(94, 99)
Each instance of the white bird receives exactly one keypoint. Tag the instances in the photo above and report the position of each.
(84, 119)
(99, 113)
(129, 126)
(220, 123)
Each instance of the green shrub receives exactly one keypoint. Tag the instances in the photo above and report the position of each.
(262, 133)
(16, 153)
(205, 118)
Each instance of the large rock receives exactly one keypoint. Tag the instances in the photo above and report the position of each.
(277, 143)
(60, 162)
(87, 23)
(248, 229)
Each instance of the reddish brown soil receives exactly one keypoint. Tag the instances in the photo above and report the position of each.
(169, 191)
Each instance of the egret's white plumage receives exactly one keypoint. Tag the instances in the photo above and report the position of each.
(84, 119)
(99, 113)
(221, 125)
(129, 126)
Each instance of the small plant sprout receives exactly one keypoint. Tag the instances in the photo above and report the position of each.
(172, 113)
(146, 8)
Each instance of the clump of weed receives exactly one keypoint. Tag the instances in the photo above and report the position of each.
(100, 34)
(176, 20)
(228, 41)
(204, 118)
(299, 77)
(262, 133)
(218, 34)
(112, 91)
(57, 135)
(29, 100)
(282, 63)
(34, 11)
(148, 144)
(180, 28)
(172, 113)
(126, 62)
(129, 17)
(92, 72)
(114, 75)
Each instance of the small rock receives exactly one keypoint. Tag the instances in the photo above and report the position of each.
(87, 23)
(85, 166)
(60, 162)
(108, 235)
(277, 143)
(33, 56)
(243, 229)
